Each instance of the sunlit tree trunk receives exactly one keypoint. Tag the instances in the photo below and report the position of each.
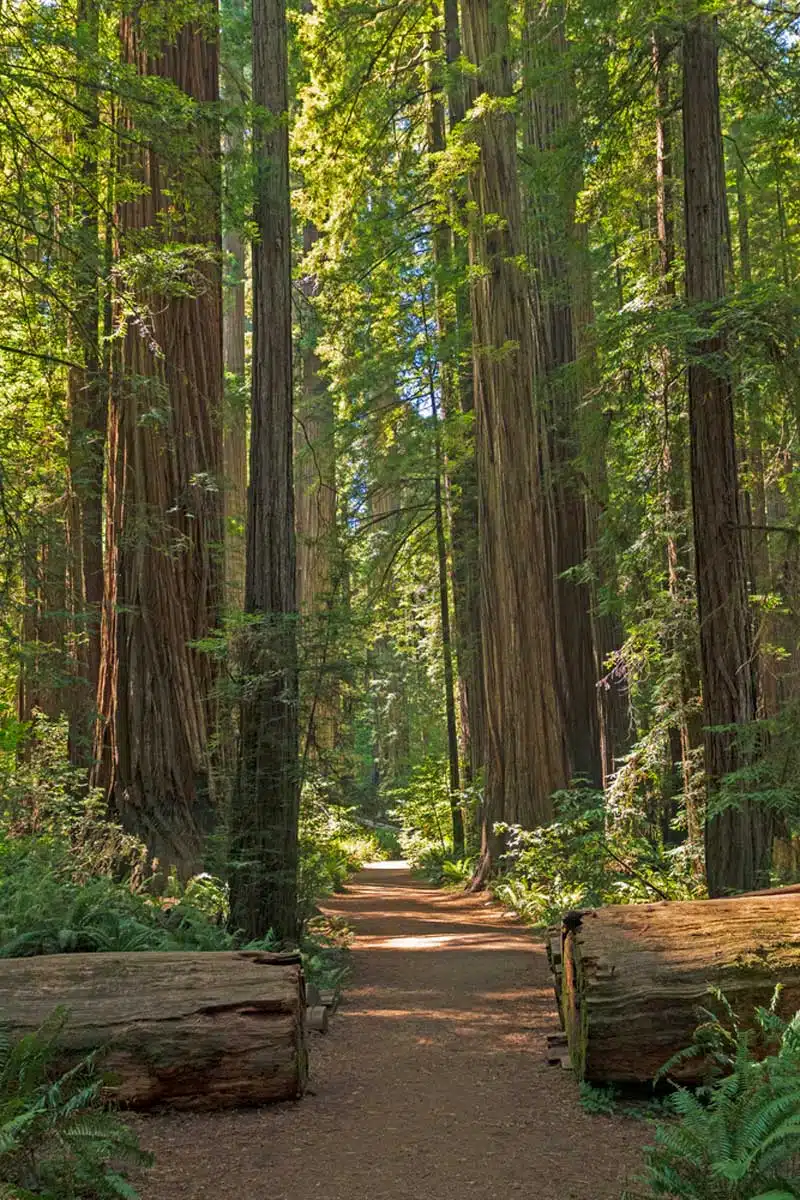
(526, 752)
(552, 157)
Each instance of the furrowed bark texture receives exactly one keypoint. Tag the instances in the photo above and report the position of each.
(737, 839)
(175, 1030)
(266, 800)
(526, 750)
(552, 181)
(164, 526)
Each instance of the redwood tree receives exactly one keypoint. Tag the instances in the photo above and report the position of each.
(738, 837)
(266, 800)
(526, 754)
(552, 155)
(164, 525)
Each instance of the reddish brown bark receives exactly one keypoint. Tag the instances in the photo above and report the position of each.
(553, 164)
(265, 807)
(526, 755)
(164, 528)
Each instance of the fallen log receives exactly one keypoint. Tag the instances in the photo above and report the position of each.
(633, 977)
(183, 1030)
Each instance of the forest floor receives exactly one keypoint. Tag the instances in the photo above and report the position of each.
(432, 1081)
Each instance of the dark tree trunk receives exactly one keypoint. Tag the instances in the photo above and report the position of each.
(88, 413)
(235, 425)
(164, 523)
(553, 161)
(526, 748)
(265, 807)
(737, 839)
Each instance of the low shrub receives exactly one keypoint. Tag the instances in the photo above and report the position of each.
(57, 1139)
(737, 1138)
(581, 860)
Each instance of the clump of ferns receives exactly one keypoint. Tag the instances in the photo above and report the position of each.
(58, 1139)
(738, 1137)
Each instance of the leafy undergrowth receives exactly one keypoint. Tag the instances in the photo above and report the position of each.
(71, 880)
(582, 859)
(57, 1138)
(738, 1137)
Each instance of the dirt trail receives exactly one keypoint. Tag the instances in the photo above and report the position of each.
(432, 1081)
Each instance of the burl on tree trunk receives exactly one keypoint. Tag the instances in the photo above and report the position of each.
(631, 977)
(182, 1030)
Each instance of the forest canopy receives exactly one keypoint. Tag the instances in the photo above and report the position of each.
(398, 423)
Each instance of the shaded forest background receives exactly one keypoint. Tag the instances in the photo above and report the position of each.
(399, 431)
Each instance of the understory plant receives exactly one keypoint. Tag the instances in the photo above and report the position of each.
(582, 859)
(423, 811)
(738, 1137)
(57, 1138)
(73, 881)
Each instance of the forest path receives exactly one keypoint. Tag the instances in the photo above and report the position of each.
(432, 1082)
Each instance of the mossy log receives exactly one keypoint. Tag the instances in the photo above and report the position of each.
(633, 977)
(180, 1030)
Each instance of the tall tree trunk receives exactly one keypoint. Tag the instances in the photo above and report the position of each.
(316, 528)
(458, 397)
(164, 515)
(235, 423)
(264, 817)
(88, 410)
(553, 160)
(526, 746)
(738, 838)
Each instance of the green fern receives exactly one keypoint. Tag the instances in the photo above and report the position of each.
(738, 1138)
(56, 1138)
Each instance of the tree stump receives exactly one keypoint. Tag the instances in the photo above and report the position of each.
(633, 977)
(183, 1030)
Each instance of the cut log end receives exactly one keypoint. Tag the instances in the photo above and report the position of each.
(633, 977)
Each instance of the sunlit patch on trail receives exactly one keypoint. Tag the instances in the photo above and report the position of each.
(395, 864)
(422, 941)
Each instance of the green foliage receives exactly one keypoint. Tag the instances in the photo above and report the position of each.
(56, 1138)
(72, 881)
(738, 1138)
(582, 860)
(426, 825)
(333, 844)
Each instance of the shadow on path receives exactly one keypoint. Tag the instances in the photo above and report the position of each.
(431, 1083)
